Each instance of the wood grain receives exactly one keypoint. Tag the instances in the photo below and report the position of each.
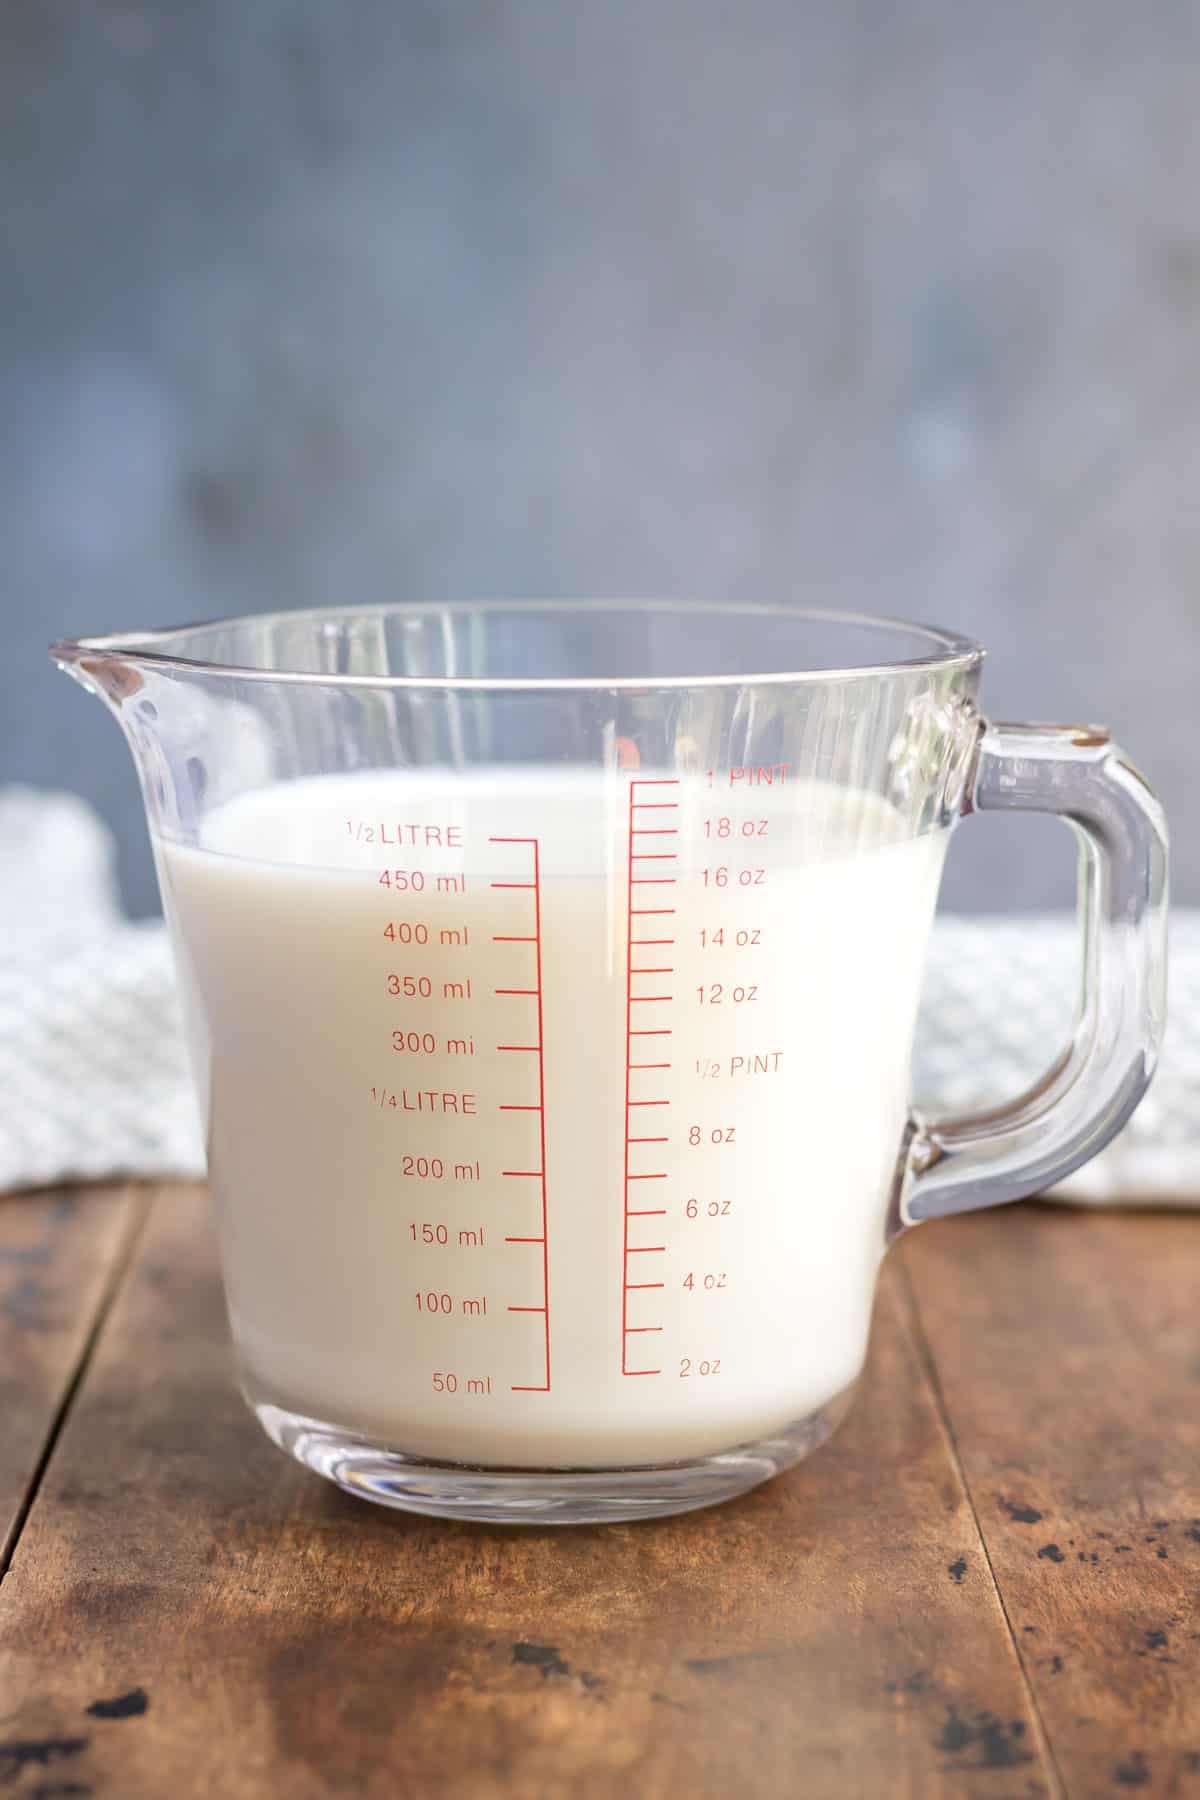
(1067, 1349)
(59, 1251)
(246, 1630)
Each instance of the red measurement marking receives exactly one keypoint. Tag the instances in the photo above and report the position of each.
(633, 855)
(625, 1130)
(539, 1107)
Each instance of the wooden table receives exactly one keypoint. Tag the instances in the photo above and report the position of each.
(988, 1584)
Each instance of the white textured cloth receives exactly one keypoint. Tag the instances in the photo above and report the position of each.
(93, 1075)
(94, 1080)
(998, 1007)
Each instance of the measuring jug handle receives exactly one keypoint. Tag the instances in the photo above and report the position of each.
(1075, 772)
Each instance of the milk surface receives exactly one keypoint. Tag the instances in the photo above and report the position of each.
(552, 1118)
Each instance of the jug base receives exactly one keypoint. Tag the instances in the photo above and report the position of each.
(375, 1471)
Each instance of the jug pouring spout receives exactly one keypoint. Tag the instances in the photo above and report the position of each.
(100, 671)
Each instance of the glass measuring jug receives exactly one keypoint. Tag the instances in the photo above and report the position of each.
(550, 976)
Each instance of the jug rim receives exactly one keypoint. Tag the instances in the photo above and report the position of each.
(148, 648)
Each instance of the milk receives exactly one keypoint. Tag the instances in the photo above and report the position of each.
(552, 1121)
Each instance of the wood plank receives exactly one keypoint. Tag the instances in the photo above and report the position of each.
(1067, 1348)
(834, 1634)
(59, 1251)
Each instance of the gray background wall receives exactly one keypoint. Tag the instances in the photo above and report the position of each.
(890, 305)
